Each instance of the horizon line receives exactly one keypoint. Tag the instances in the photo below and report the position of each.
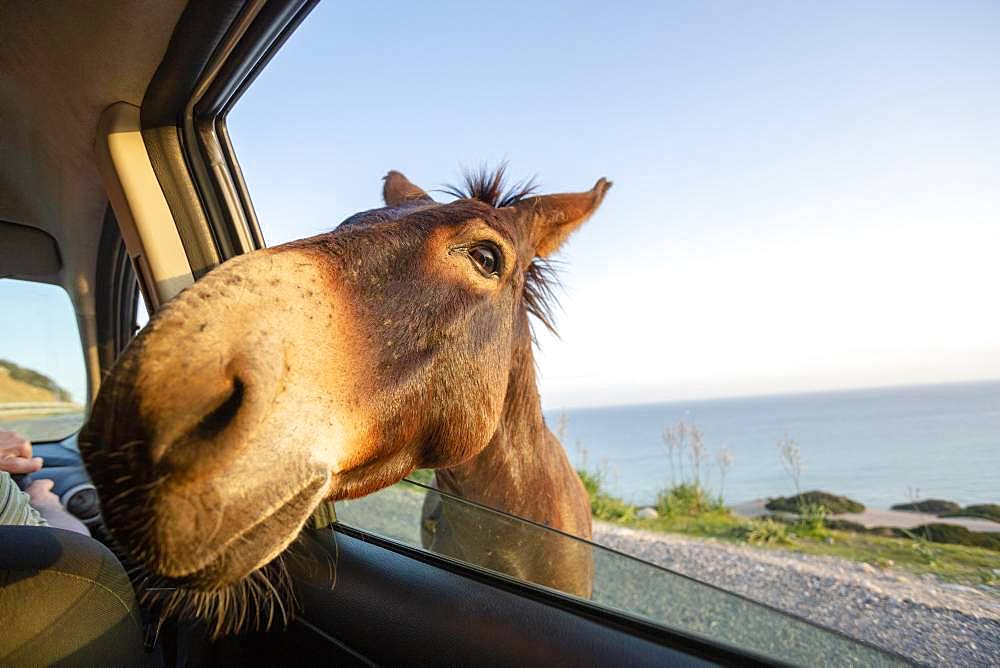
(763, 395)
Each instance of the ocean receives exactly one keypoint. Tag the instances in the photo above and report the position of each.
(873, 445)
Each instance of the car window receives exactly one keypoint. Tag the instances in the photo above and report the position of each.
(625, 584)
(774, 365)
(43, 383)
(141, 315)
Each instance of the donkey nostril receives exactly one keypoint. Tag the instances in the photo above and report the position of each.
(218, 419)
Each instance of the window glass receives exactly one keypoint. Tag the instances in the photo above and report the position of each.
(141, 315)
(777, 367)
(628, 585)
(43, 383)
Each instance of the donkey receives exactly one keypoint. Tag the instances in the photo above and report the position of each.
(330, 367)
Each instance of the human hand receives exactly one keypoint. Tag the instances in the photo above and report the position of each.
(15, 454)
(48, 505)
(40, 493)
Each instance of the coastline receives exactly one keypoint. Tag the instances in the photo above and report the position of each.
(871, 518)
(872, 445)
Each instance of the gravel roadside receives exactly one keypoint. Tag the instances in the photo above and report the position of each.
(919, 617)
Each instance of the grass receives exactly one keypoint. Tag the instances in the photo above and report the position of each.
(953, 563)
(423, 476)
(986, 511)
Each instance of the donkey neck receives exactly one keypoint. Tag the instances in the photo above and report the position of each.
(524, 469)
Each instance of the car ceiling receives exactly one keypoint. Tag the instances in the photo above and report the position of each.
(61, 65)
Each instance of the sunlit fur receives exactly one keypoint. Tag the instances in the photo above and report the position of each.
(328, 368)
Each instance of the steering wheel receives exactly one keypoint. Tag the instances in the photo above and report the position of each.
(73, 487)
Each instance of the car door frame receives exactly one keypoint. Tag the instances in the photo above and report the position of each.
(215, 53)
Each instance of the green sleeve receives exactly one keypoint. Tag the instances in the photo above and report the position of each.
(14, 506)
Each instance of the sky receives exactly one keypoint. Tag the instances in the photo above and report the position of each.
(39, 331)
(806, 194)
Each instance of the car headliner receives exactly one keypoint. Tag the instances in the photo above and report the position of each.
(61, 65)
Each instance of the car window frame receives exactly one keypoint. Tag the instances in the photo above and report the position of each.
(213, 57)
(118, 294)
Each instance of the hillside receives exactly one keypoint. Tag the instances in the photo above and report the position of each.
(19, 384)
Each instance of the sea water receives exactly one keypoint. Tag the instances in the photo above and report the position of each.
(879, 446)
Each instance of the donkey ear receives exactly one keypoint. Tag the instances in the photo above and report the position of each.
(398, 189)
(554, 217)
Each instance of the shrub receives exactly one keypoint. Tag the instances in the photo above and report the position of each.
(686, 499)
(812, 520)
(834, 504)
(611, 509)
(986, 511)
(953, 535)
(603, 506)
(935, 506)
(765, 532)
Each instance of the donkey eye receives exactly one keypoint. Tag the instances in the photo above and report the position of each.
(486, 257)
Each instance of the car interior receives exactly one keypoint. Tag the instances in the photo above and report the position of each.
(119, 185)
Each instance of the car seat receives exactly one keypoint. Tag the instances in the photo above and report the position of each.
(65, 599)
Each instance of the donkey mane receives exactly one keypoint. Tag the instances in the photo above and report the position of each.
(540, 281)
(491, 187)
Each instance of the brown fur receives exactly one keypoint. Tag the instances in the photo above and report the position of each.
(333, 366)
(525, 472)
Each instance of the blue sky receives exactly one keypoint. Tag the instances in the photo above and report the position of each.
(805, 194)
(40, 332)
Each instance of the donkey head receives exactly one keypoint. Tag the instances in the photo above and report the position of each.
(326, 368)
